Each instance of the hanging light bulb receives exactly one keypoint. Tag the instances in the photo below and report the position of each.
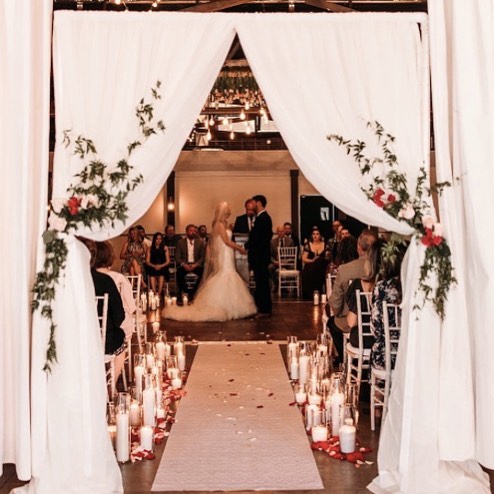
(262, 112)
(154, 4)
(247, 105)
(248, 130)
(211, 122)
(225, 121)
(118, 2)
(208, 135)
(242, 115)
(232, 135)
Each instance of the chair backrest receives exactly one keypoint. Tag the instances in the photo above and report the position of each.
(392, 329)
(102, 308)
(135, 281)
(364, 305)
(287, 258)
(172, 267)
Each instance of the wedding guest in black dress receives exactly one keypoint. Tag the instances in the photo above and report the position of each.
(259, 255)
(157, 262)
(315, 261)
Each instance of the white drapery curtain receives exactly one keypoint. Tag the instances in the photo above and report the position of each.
(323, 76)
(462, 50)
(25, 34)
(104, 63)
(108, 60)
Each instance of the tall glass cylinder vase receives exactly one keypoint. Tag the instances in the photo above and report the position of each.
(149, 401)
(123, 431)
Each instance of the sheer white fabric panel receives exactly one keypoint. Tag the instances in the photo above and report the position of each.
(462, 46)
(324, 75)
(104, 63)
(25, 41)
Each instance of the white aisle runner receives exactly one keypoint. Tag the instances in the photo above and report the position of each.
(235, 429)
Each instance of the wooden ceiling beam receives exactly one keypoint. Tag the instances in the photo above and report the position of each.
(333, 7)
(216, 5)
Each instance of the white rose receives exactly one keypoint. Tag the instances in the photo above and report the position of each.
(428, 221)
(407, 212)
(57, 223)
(438, 229)
(57, 204)
(89, 200)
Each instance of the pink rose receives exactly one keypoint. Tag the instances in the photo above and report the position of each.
(428, 221)
(438, 229)
(57, 223)
(407, 212)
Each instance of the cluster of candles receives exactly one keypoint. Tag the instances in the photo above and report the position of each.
(150, 300)
(144, 406)
(329, 403)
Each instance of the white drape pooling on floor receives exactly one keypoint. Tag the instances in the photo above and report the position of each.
(25, 34)
(462, 50)
(103, 64)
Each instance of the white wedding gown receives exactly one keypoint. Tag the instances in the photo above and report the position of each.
(222, 295)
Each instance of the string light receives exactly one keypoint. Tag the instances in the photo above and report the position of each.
(262, 112)
(247, 105)
(232, 135)
(242, 115)
(211, 122)
(208, 135)
(118, 2)
(154, 4)
(248, 130)
(225, 121)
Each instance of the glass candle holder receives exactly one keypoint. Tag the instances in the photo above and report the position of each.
(148, 401)
(122, 410)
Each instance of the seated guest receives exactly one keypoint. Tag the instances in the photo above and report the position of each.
(133, 254)
(387, 289)
(314, 261)
(364, 284)
(171, 238)
(103, 261)
(157, 262)
(334, 240)
(203, 234)
(289, 233)
(346, 272)
(347, 251)
(189, 257)
(115, 336)
(281, 240)
(142, 236)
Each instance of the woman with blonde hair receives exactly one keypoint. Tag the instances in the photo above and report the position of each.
(222, 294)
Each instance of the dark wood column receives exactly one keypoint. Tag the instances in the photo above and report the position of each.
(170, 202)
(294, 200)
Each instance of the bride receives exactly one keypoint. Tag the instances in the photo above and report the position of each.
(222, 294)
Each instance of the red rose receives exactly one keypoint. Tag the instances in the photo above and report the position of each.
(430, 240)
(377, 198)
(391, 198)
(73, 204)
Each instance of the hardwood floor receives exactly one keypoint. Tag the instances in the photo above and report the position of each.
(290, 317)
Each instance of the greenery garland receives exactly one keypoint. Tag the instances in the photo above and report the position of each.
(96, 199)
(389, 190)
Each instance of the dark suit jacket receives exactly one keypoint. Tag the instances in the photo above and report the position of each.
(296, 241)
(181, 251)
(259, 243)
(241, 224)
(115, 335)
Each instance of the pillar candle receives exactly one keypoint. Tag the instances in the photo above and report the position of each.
(320, 433)
(168, 350)
(153, 304)
(323, 299)
(178, 348)
(156, 326)
(157, 298)
(347, 435)
(148, 403)
(176, 383)
(185, 299)
(160, 350)
(122, 437)
(308, 415)
(300, 397)
(135, 413)
(112, 431)
(303, 368)
(160, 413)
(147, 438)
(292, 350)
(181, 361)
(159, 396)
(294, 368)
(149, 360)
(315, 399)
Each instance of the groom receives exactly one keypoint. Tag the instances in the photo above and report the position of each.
(259, 255)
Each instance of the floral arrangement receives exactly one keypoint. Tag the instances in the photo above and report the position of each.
(388, 189)
(97, 198)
